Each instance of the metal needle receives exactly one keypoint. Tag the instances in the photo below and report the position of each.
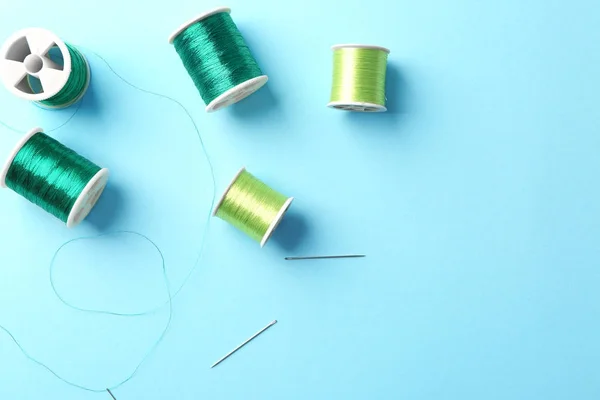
(243, 344)
(324, 257)
(111, 395)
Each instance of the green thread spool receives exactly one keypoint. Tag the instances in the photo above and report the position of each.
(217, 59)
(36, 65)
(252, 206)
(53, 177)
(359, 78)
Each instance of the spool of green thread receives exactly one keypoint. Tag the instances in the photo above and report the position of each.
(217, 59)
(252, 206)
(359, 73)
(36, 65)
(53, 177)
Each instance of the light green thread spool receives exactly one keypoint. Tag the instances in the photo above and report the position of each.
(36, 65)
(217, 59)
(53, 177)
(252, 206)
(359, 78)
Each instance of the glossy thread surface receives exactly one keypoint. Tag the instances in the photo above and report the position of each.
(251, 206)
(50, 175)
(75, 84)
(359, 75)
(216, 56)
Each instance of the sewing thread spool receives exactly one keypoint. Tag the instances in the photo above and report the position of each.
(217, 59)
(359, 78)
(53, 177)
(251, 206)
(36, 65)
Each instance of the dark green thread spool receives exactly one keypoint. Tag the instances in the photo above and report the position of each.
(54, 177)
(217, 59)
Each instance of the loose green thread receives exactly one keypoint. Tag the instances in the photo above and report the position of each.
(216, 56)
(75, 85)
(251, 206)
(171, 294)
(359, 75)
(161, 336)
(50, 174)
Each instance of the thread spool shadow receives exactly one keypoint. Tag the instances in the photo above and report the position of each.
(291, 232)
(256, 104)
(397, 101)
(104, 214)
(89, 101)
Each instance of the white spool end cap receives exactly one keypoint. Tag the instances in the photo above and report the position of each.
(237, 93)
(276, 220)
(87, 198)
(14, 153)
(214, 214)
(198, 18)
(26, 54)
(356, 105)
(359, 46)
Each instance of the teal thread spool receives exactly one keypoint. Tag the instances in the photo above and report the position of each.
(53, 177)
(217, 59)
(252, 206)
(36, 65)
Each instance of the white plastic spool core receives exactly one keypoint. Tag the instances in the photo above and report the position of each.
(275, 221)
(357, 105)
(236, 93)
(26, 55)
(86, 199)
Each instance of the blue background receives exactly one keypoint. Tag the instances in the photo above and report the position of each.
(475, 198)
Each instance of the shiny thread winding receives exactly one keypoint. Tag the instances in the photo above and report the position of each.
(218, 59)
(252, 206)
(76, 84)
(359, 74)
(54, 177)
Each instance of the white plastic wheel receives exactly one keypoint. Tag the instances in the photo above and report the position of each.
(87, 198)
(25, 54)
(356, 106)
(359, 46)
(237, 93)
(276, 221)
(227, 191)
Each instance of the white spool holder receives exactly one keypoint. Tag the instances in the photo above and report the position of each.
(236, 93)
(357, 105)
(25, 54)
(276, 221)
(88, 196)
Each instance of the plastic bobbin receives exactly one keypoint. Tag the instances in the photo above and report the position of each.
(276, 220)
(236, 93)
(88, 196)
(357, 105)
(26, 54)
